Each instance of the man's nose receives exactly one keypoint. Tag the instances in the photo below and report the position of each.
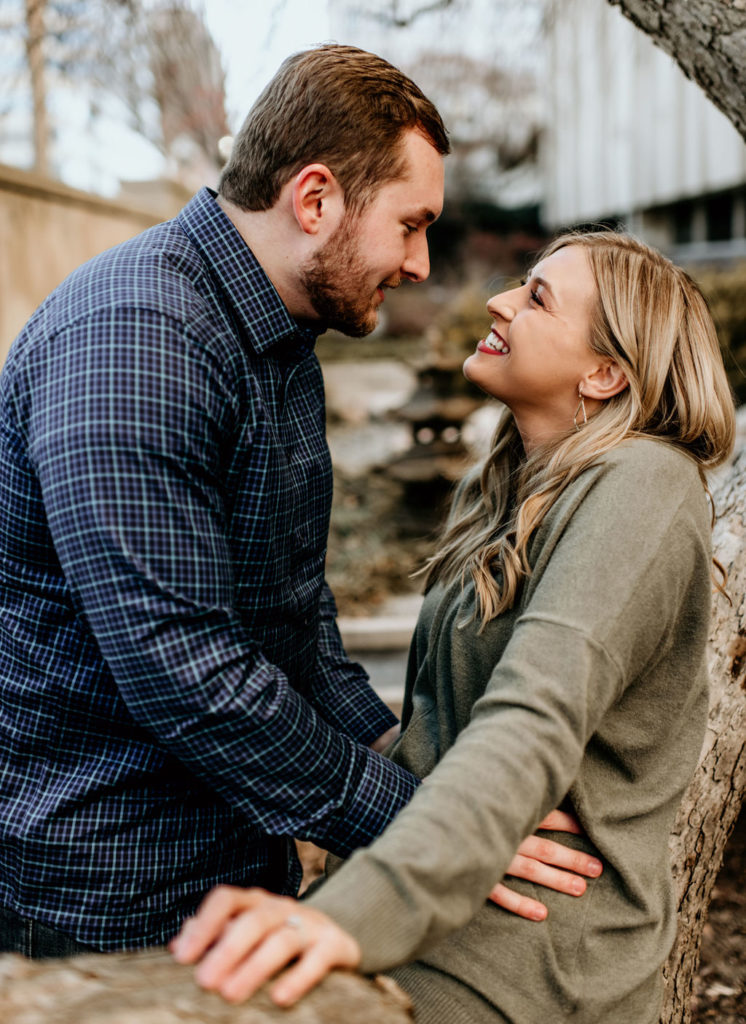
(416, 265)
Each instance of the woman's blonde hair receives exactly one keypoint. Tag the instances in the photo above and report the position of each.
(650, 318)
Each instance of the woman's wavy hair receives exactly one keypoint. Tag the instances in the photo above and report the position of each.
(651, 318)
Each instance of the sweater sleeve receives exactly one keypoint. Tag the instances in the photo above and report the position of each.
(613, 570)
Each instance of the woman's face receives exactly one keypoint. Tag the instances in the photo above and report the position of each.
(536, 353)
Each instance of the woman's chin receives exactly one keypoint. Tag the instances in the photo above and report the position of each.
(472, 373)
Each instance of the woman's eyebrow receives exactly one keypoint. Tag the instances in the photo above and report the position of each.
(544, 284)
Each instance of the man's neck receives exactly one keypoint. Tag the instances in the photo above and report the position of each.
(270, 236)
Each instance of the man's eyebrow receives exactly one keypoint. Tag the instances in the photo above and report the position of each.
(424, 214)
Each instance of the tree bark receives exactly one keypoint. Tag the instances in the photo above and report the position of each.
(151, 988)
(707, 38)
(712, 803)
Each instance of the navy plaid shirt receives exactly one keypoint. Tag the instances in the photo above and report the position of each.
(175, 702)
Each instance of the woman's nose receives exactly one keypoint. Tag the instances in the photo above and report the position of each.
(503, 304)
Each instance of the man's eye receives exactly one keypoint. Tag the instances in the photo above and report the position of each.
(411, 228)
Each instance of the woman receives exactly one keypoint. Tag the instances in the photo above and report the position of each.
(559, 659)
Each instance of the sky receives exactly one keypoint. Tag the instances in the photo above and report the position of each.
(254, 37)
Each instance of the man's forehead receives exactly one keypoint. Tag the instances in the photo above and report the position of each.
(424, 172)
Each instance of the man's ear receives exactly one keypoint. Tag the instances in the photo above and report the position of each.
(317, 198)
(607, 380)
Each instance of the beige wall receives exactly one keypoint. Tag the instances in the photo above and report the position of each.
(46, 230)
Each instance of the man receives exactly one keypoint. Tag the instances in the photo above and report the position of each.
(175, 702)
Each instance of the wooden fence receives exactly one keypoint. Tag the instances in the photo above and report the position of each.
(48, 229)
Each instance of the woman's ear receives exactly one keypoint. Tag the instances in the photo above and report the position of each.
(607, 380)
(318, 201)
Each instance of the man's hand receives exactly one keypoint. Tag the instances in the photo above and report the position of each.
(312, 859)
(547, 863)
(388, 737)
(244, 937)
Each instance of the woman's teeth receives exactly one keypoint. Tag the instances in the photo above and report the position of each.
(496, 344)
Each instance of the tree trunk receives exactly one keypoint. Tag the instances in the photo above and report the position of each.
(707, 38)
(712, 803)
(35, 26)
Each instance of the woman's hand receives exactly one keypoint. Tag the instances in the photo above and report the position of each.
(547, 863)
(243, 937)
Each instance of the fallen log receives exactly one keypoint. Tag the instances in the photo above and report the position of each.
(149, 987)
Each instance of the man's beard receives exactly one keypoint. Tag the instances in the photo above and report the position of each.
(337, 282)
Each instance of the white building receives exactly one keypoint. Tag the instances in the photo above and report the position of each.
(478, 61)
(629, 138)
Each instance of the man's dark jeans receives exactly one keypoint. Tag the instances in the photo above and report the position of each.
(37, 941)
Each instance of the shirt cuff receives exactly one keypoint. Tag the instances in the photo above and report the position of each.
(380, 792)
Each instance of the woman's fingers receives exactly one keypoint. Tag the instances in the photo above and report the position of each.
(242, 938)
(223, 904)
(240, 942)
(339, 950)
(236, 980)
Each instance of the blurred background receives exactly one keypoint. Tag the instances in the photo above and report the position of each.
(561, 113)
(114, 112)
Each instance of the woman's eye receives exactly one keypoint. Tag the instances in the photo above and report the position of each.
(535, 297)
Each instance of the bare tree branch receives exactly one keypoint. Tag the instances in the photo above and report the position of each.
(707, 38)
(395, 19)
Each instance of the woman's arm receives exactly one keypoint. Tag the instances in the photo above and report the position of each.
(245, 937)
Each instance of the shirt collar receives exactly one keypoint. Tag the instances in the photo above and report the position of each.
(261, 313)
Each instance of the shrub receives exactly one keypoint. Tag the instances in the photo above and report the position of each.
(725, 290)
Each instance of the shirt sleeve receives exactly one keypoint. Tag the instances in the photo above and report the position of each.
(128, 439)
(621, 565)
(340, 690)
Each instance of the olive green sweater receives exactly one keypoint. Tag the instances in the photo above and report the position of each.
(592, 693)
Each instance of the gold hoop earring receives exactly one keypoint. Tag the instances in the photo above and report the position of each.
(580, 408)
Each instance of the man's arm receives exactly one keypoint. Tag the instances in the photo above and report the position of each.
(129, 447)
(340, 689)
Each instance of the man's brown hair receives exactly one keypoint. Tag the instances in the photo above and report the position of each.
(335, 105)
